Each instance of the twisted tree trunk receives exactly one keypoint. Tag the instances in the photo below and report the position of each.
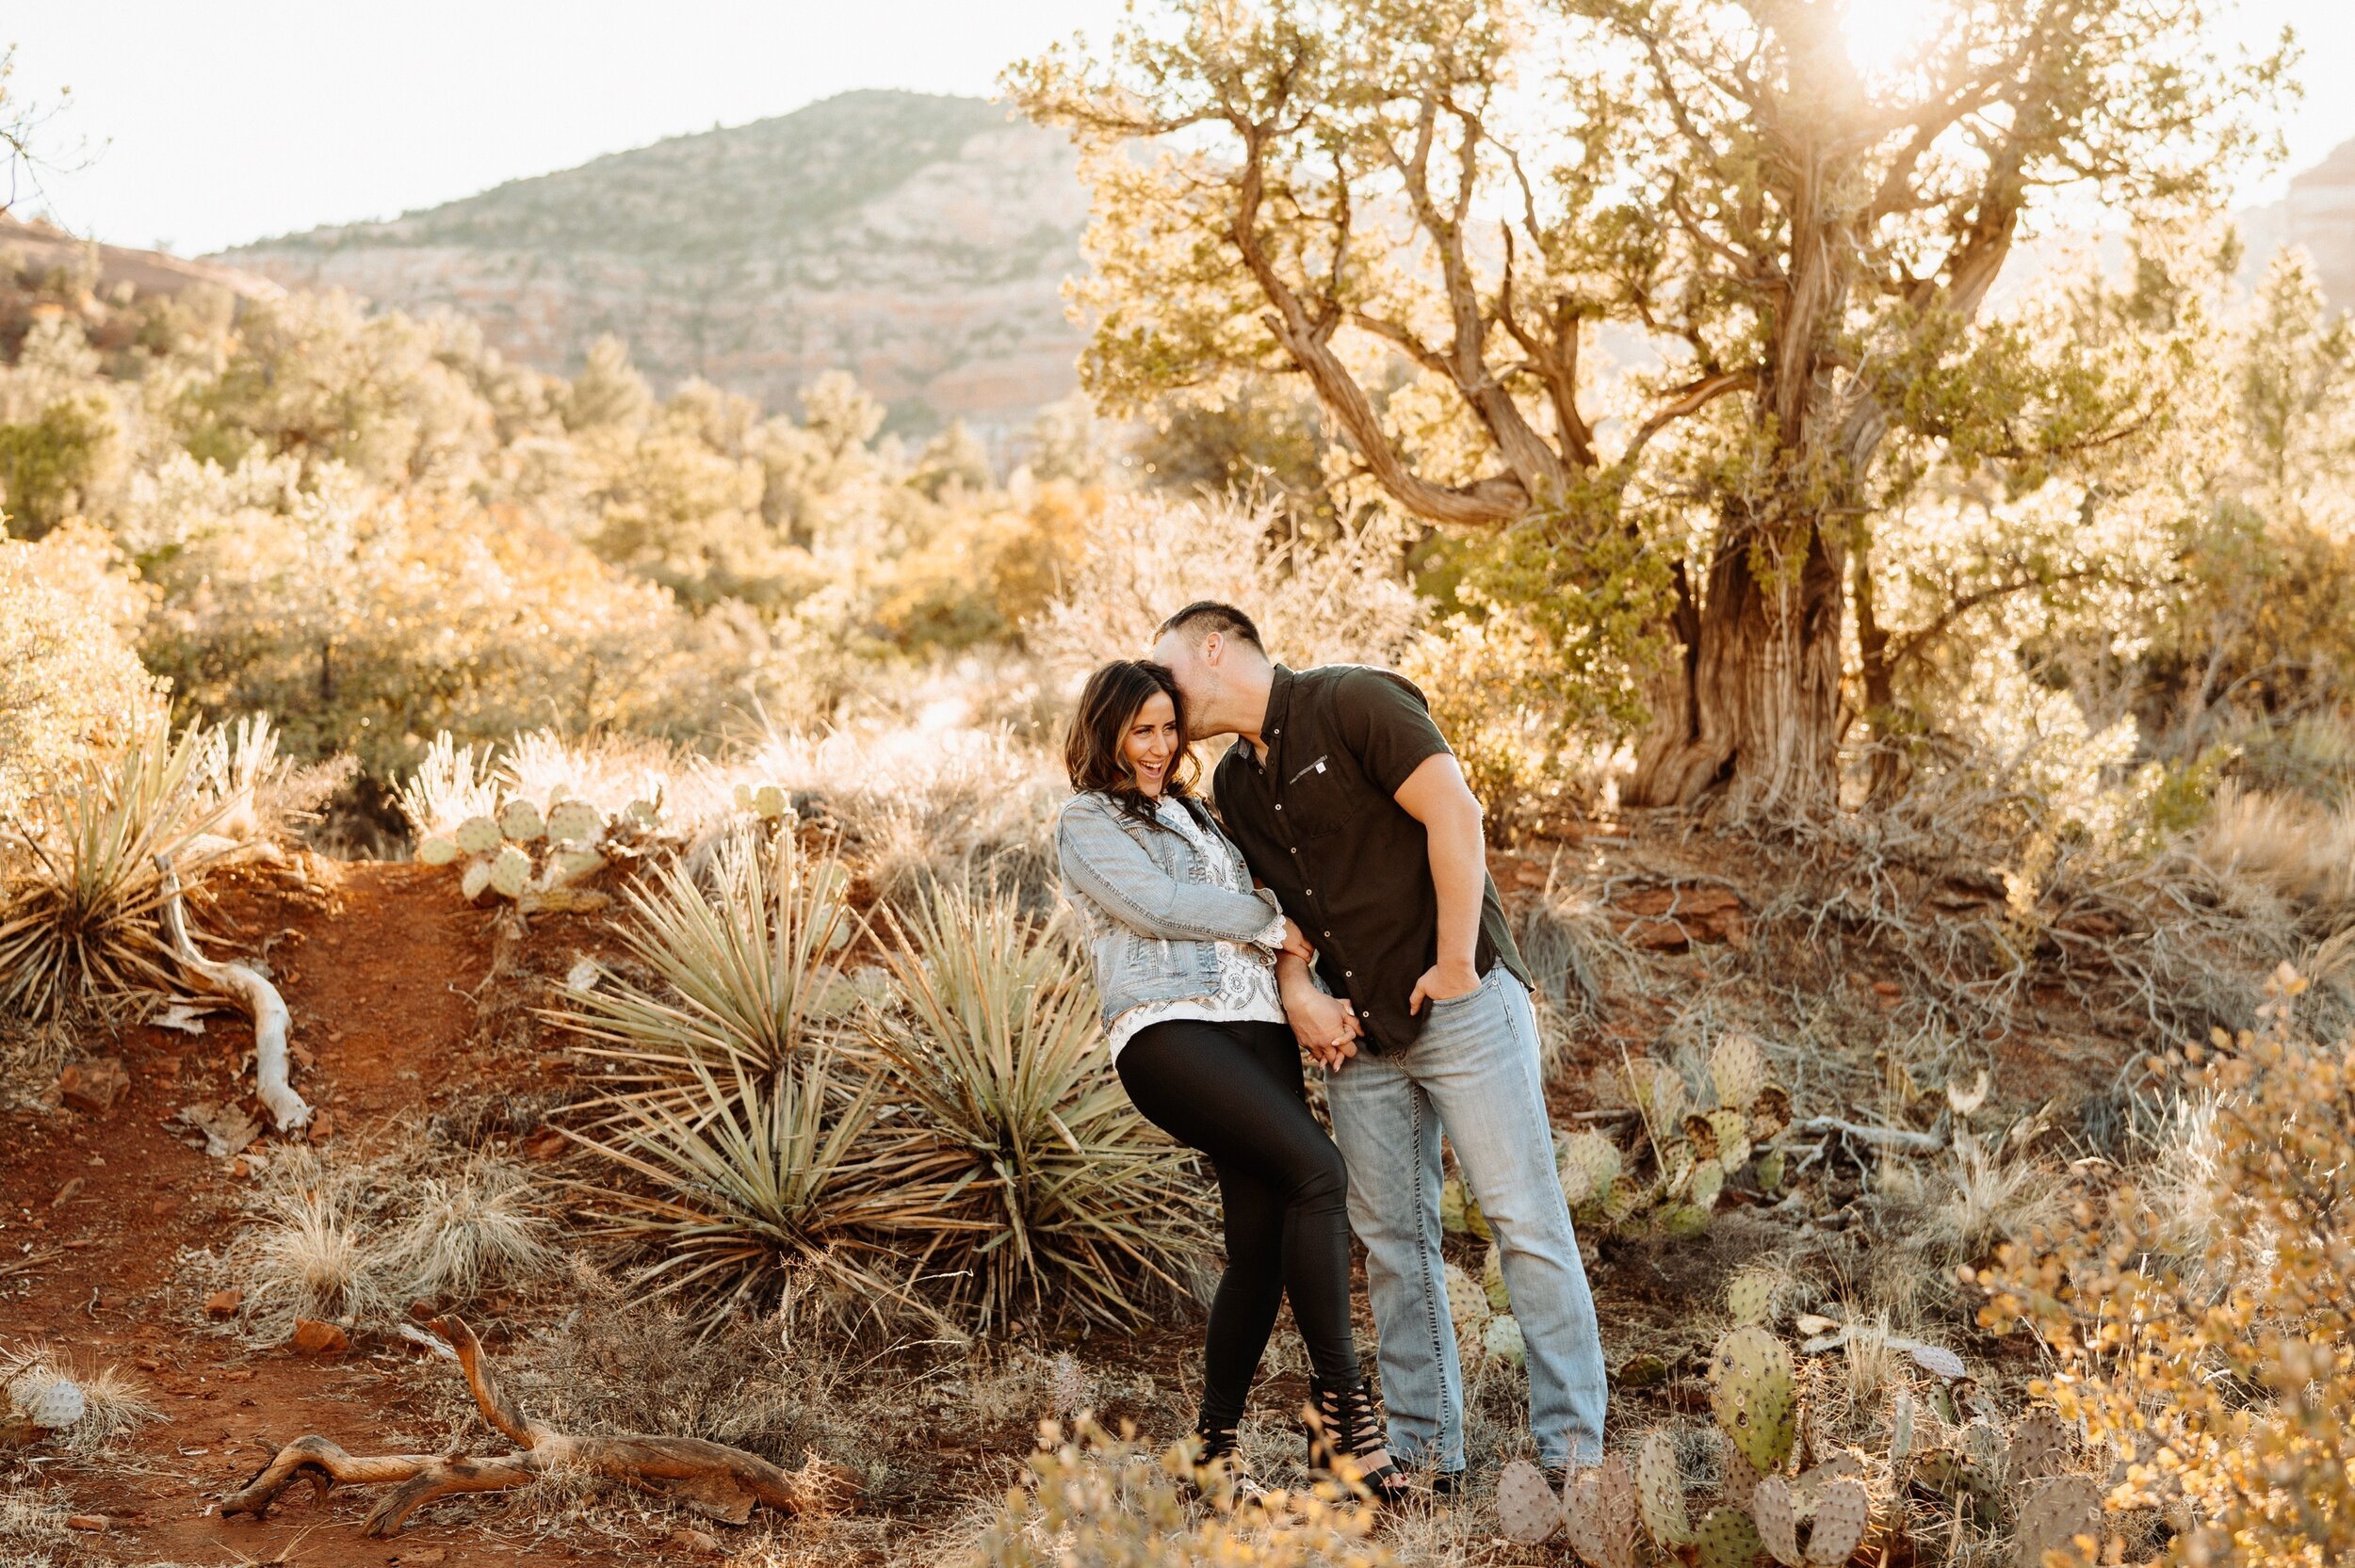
(712, 1479)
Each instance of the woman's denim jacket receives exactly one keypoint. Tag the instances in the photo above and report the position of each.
(1148, 905)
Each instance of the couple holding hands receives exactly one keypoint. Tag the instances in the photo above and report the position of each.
(1339, 904)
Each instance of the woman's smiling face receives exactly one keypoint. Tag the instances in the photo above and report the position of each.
(1151, 745)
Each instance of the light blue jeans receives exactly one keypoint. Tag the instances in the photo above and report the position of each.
(1473, 1073)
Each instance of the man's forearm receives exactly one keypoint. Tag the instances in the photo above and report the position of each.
(1459, 875)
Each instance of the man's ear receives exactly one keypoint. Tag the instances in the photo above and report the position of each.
(1212, 646)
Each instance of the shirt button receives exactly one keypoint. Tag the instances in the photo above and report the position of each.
(1328, 933)
(1349, 974)
(1280, 805)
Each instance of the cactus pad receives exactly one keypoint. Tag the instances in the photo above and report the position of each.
(1603, 1509)
(1493, 1281)
(2053, 1513)
(2038, 1442)
(519, 820)
(510, 872)
(1659, 1090)
(1937, 1360)
(570, 865)
(644, 813)
(1732, 1130)
(1727, 1539)
(575, 822)
(1901, 1427)
(1752, 1395)
(437, 850)
(1983, 1452)
(1683, 1221)
(476, 877)
(1770, 1169)
(1589, 1163)
(478, 835)
(1741, 1480)
(1769, 1113)
(1737, 1068)
(1660, 1491)
(1841, 1514)
(1701, 1133)
(49, 1402)
(1623, 1199)
(1750, 1299)
(1501, 1339)
(1777, 1522)
(1451, 1206)
(1466, 1303)
(1709, 1180)
(1526, 1505)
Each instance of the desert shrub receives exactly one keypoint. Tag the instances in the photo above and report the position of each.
(70, 680)
(113, 1405)
(1029, 1181)
(358, 1241)
(763, 1192)
(1343, 599)
(81, 919)
(2203, 1327)
(742, 972)
(1095, 1501)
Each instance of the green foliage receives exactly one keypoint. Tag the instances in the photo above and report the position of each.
(71, 683)
(1044, 1185)
(46, 465)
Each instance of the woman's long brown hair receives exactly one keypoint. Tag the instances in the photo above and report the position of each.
(1109, 705)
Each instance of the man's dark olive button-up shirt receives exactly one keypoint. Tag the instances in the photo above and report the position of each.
(1321, 825)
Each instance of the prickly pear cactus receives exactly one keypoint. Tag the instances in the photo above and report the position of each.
(510, 872)
(1753, 1395)
(1750, 1297)
(1741, 1480)
(1731, 1131)
(1602, 1511)
(1983, 1452)
(1526, 1505)
(575, 822)
(1501, 1339)
(1709, 1180)
(48, 1402)
(1737, 1070)
(1726, 1538)
(1683, 1221)
(1466, 1303)
(1778, 1520)
(1589, 1163)
(1658, 1091)
(437, 850)
(2054, 1512)
(2038, 1441)
(1900, 1427)
(478, 835)
(1660, 1491)
(474, 879)
(519, 820)
(1841, 1514)
(1459, 1211)
(1493, 1281)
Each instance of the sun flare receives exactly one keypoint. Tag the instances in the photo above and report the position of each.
(1882, 34)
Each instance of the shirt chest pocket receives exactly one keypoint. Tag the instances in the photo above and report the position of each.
(1323, 788)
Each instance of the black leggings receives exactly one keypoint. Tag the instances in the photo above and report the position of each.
(1233, 1090)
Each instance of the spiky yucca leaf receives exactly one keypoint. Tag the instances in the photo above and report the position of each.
(745, 968)
(1028, 1177)
(83, 923)
(758, 1181)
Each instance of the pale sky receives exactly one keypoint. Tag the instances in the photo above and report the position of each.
(205, 124)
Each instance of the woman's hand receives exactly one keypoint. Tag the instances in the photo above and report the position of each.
(1295, 942)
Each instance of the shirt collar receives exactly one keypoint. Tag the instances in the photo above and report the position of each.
(1279, 702)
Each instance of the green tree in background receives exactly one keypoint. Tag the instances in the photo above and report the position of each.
(1476, 188)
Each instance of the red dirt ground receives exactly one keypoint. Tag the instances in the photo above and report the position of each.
(372, 958)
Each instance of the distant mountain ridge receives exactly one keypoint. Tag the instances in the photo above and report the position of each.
(920, 241)
(2319, 214)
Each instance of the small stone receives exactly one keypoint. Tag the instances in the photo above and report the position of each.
(313, 1338)
(1888, 987)
(93, 1084)
(701, 1542)
(65, 1194)
(322, 1128)
(421, 1557)
(93, 1523)
(224, 1303)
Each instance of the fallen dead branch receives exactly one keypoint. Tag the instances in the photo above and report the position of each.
(712, 1479)
(271, 1022)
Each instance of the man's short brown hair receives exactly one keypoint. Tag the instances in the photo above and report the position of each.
(1205, 616)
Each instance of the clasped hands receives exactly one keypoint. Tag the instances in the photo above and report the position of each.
(1328, 1027)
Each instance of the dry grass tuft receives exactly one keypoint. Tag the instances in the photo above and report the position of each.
(479, 1228)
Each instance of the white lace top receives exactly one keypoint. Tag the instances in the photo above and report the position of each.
(1246, 975)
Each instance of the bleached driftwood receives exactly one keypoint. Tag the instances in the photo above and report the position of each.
(271, 1022)
(712, 1479)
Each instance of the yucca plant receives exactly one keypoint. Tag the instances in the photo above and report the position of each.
(746, 969)
(1027, 1176)
(759, 1184)
(80, 921)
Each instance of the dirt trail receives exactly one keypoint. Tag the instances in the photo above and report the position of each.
(374, 959)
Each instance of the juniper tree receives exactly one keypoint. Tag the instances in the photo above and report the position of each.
(1429, 210)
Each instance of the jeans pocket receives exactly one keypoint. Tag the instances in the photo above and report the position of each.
(1447, 1004)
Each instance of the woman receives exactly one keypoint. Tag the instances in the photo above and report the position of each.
(1185, 963)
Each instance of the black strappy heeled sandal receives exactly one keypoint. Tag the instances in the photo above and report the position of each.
(1221, 1454)
(1344, 1419)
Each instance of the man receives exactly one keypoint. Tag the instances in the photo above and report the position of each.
(1348, 804)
